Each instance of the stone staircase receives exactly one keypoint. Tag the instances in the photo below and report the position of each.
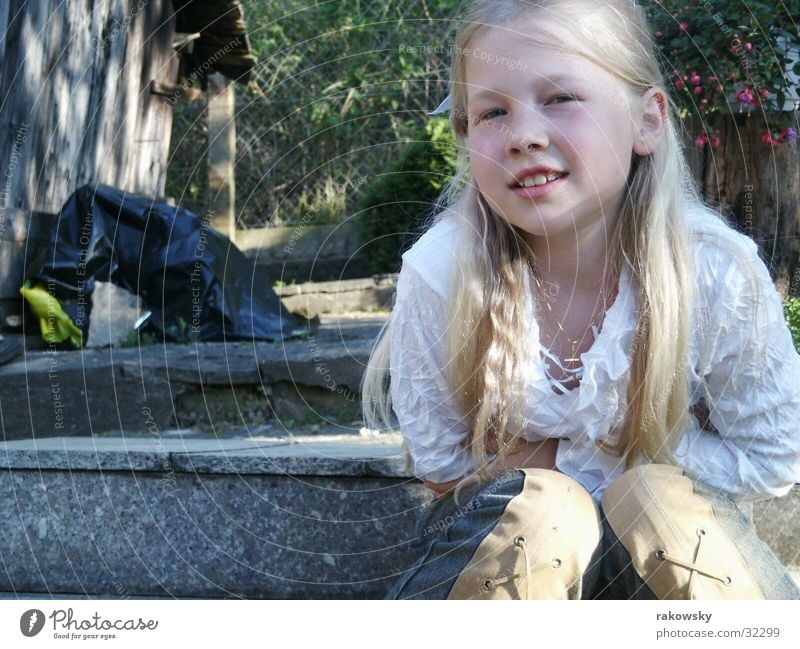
(218, 470)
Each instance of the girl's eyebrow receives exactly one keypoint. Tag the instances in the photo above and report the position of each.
(554, 80)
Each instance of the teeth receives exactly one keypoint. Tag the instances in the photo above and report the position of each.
(539, 179)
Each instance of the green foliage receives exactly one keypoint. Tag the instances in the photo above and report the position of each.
(396, 203)
(339, 86)
(726, 58)
(136, 338)
(791, 309)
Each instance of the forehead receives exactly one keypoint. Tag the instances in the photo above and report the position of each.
(521, 53)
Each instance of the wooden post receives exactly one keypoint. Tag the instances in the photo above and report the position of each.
(221, 154)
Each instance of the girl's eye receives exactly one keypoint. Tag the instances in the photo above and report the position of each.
(562, 98)
(491, 114)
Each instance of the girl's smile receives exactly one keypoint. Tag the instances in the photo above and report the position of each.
(550, 139)
(536, 182)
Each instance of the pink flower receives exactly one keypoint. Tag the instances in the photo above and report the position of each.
(696, 79)
(745, 96)
(764, 93)
(659, 34)
(680, 84)
(684, 26)
(719, 88)
(735, 49)
(712, 78)
(701, 140)
(768, 139)
(698, 90)
(789, 134)
(715, 142)
(748, 46)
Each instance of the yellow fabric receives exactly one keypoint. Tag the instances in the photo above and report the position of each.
(56, 325)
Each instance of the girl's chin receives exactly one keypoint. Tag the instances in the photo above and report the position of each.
(544, 229)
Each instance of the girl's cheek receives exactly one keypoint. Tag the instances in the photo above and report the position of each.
(481, 145)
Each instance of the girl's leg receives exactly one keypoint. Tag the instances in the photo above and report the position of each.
(530, 534)
(670, 537)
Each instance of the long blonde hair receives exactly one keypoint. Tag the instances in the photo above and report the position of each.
(484, 348)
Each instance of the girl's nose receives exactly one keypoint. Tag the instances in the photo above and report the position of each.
(529, 133)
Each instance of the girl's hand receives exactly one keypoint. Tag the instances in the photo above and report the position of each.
(536, 455)
(442, 490)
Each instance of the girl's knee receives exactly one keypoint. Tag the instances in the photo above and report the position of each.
(676, 543)
(545, 537)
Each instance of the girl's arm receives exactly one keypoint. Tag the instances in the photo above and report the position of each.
(751, 373)
(432, 426)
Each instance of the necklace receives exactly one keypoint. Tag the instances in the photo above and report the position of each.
(573, 357)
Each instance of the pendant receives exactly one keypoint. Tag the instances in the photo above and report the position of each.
(575, 357)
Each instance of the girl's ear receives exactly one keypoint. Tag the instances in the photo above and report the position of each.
(653, 116)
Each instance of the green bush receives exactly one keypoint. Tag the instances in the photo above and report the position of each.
(791, 308)
(398, 201)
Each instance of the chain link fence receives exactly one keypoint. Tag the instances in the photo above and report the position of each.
(339, 89)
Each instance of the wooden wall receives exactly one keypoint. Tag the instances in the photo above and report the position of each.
(759, 186)
(76, 107)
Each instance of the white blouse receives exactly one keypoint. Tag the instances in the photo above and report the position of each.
(743, 366)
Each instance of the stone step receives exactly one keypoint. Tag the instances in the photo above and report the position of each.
(255, 517)
(342, 296)
(212, 385)
(311, 518)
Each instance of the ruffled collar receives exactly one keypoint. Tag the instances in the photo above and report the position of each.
(593, 406)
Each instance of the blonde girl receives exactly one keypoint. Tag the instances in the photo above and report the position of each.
(595, 362)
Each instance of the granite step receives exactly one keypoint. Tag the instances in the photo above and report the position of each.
(321, 516)
(210, 386)
(252, 517)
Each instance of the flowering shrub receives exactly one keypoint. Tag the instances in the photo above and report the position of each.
(791, 309)
(727, 57)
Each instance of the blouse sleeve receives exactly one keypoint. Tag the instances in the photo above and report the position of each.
(431, 425)
(751, 373)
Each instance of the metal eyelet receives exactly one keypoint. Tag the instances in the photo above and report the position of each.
(701, 531)
(728, 581)
(556, 563)
(519, 541)
(661, 554)
(487, 585)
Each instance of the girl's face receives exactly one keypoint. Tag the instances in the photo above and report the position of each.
(550, 134)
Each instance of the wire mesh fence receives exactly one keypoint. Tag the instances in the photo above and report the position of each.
(338, 90)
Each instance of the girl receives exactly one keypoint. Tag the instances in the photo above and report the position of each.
(593, 356)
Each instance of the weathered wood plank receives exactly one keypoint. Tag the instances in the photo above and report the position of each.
(76, 106)
(221, 153)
